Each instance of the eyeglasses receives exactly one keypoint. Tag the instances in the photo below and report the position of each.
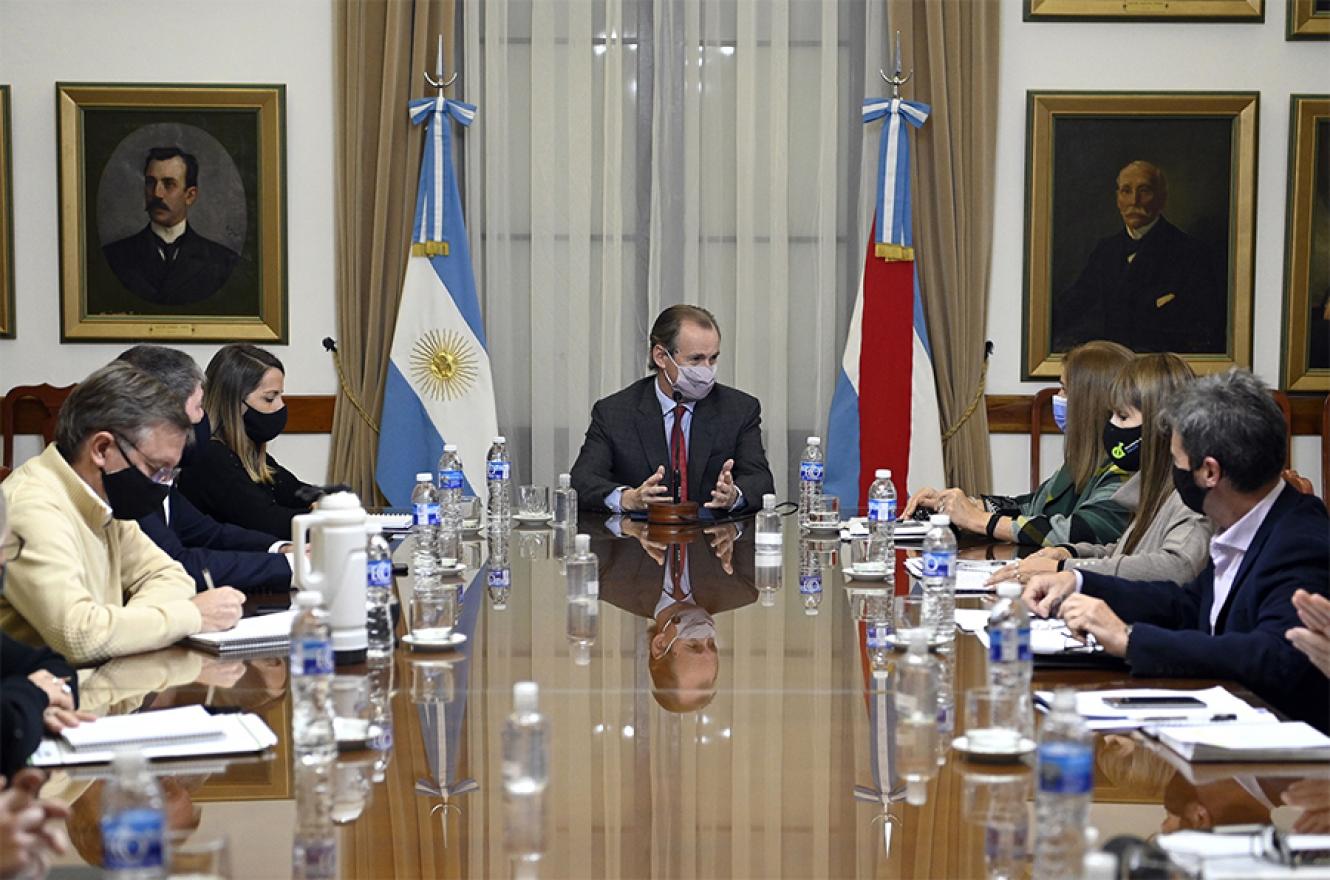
(162, 476)
(11, 549)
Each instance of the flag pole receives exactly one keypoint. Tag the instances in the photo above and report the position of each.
(437, 81)
(896, 80)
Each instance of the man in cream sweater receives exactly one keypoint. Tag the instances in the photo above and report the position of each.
(87, 581)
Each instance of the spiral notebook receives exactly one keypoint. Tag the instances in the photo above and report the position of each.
(186, 732)
(252, 635)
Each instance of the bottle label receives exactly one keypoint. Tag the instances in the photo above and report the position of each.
(940, 564)
(499, 577)
(810, 471)
(132, 839)
(1001, 649)
(810, 583)
(1066, 768)
(767, 539)
(498, 470)
(426, 514)
(316, 859)
(593, 587)
(379, 573)
(879, 637)
(383, 740)
(882, 510)
(450, 479)
(312, 657)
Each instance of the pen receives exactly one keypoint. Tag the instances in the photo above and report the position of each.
(1225, 716)
(207, 580)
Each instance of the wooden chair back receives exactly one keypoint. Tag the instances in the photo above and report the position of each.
(39, 403)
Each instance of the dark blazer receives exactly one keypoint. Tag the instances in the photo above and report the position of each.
(235, 556)
(217, 484)
(22, 702)
(1171, 633)
(625, 443)
(630, 579)
(199, 269)
(1171, 297)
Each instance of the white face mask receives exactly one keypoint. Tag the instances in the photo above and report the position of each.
(692, 622)
(695, 381)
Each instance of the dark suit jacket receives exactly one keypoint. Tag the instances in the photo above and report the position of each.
(235, 556)
(22, 702)
(626, 443)
(1171, 297)
(199, 269)
(630, 579)
(217, 484)
(1171, 633)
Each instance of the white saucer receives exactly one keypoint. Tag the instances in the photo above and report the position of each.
(533, 518)
(824, 528)
(1007, 756)
(449, 570)
(453, 640)
(855, 575)
(897, 643)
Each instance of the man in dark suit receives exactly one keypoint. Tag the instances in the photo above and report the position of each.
(1270, 541)
(678, 419)
(243, 558)
(1150, 286)
(168, 262)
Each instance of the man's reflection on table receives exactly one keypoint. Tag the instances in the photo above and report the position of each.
(678, 583)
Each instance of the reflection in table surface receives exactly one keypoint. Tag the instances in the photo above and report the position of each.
(785, 771)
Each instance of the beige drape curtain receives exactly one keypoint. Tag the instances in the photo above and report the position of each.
(381, 48)
(953, 48)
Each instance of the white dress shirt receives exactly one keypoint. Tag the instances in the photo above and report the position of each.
(1227, 548)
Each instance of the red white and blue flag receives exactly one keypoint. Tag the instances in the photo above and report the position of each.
(884, 411)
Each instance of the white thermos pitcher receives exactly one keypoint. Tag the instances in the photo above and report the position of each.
(335, 566)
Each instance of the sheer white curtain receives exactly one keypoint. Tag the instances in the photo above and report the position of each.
(633, 154)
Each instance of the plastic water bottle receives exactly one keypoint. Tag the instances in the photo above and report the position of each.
(582, 570)
(499, 480)
(877, 639)
(565, 503)
(945, 658)
(767, 533)
(811, 472)
(499, 577)
(314, 849)
(381, 725)
(525, 743)
(425, 518)
(1010, 662)
(1065, 780)
(768, 575)
(810, 577)
(882, 511)
(311, 681)
(378, 592)
(450, 483)
(940, 578)
(134, 839)
(583, 626)
(916, 718)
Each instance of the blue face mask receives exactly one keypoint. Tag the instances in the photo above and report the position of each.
(1060, 412)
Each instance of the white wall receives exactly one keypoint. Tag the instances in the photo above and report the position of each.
(1144, 57)
(188, 41)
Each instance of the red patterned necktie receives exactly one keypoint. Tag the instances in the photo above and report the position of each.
(679, 559)
(679, 451)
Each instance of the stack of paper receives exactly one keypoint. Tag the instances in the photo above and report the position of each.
(252, 635)
(971, 574)
(1217, 706)
(1047, 637)
(391, 522)
(1280, 741)
(186, 724)
(907, 530)
(185, 732)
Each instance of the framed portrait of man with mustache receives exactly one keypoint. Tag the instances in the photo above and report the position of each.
(172, 218)
(1140, 212)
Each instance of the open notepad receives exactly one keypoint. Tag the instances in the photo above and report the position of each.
(252, 635)
(1279, 741)
(188, 731)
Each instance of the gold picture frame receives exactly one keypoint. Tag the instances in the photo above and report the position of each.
(1308, 20)
(1146, 10)
(1306, 331)
(1192, 294)
(122, 277)
(7, 297)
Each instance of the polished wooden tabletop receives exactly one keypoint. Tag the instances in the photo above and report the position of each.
(784, 771)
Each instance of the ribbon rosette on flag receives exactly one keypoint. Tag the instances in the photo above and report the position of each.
(439, 388)
(884, 411)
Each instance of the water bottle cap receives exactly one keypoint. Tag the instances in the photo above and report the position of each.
(525, 694)
(916, 792)
(582, 543)
(500, 439)
(1100, 866)
(450, 447)
(1008, 590)
(768, 599)
(309, 599)
(424, 478)
(939, 519)
(814, 441)
(883, 474)
(811, 612)
(565, 481)
(581, 654)
(768, 502)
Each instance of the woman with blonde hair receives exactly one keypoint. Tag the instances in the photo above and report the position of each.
(233, 478)
(1166, 540)
(1076, 503)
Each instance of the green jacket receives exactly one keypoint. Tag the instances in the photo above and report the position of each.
(1054, 514)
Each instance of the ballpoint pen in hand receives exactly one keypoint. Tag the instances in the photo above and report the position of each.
(207, 580)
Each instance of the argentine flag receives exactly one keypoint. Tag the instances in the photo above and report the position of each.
(439, 388)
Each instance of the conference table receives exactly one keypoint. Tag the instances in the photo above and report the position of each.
(784, 772)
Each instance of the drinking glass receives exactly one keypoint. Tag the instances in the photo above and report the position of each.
(351, 708)
(533, 500)
(433, 615)
(824, 512)
(201, 857)
(909, 615)
(469, 508)
(868, 554)
(995, 720)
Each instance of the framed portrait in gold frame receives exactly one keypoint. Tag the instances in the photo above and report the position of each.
(172, 212)
(1306, 332)
(1308, 20)
(7, 329)
(1139, 225)
(1145, 10)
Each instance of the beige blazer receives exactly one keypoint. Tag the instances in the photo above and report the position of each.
(1175, 546)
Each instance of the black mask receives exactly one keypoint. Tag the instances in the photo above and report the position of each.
(263, 427)
(1123, 446)
(1191, 494)
(131, 494)
(202, 434)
